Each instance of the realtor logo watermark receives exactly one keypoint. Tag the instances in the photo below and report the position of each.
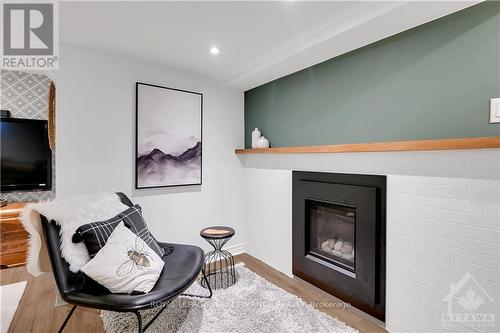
(30, 35)
(466, 302)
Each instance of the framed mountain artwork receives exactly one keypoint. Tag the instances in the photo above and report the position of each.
(168, 136)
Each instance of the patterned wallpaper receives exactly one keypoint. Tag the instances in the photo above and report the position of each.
(26, 96)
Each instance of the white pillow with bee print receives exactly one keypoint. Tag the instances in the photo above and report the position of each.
(125, 263)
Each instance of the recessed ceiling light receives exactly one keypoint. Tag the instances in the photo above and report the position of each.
(214, 50)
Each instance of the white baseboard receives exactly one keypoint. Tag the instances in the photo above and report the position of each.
(236, 249)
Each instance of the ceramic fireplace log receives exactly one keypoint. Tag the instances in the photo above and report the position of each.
(339, 248)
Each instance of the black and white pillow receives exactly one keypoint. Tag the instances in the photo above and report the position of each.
(95, 234)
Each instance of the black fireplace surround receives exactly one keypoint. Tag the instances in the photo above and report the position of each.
(339, 236)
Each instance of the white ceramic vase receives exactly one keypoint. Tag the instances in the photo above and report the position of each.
(256, 134)
(263, 142)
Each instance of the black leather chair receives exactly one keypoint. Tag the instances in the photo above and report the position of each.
(183, 264)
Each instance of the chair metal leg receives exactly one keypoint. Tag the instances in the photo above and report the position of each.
(154, 317)
(208, 286)
(145, 327)
(67, 319)
(208, 283)
(139, 321)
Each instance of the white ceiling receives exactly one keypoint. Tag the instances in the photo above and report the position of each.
(258, 41)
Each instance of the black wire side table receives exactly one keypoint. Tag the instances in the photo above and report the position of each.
(219, 263)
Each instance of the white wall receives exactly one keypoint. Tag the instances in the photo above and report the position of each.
(96, 143)
(438, 230)
(268, 219)
(443, 220)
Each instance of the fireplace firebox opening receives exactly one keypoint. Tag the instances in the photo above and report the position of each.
(331, 233)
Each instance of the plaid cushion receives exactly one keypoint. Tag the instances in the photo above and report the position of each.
(95, 234)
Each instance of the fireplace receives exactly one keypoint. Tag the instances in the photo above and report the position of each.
(339, 236)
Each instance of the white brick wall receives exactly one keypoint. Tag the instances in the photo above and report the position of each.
(438, 229)
(268, 217)
(443, 216)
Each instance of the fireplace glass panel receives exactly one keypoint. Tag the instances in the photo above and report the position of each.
(332, 232)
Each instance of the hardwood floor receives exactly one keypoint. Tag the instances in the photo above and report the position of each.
(36, 311)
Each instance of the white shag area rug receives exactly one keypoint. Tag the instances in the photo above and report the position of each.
(251, 305)
(10, 296)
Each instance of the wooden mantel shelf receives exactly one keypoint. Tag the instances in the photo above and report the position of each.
(416, 145)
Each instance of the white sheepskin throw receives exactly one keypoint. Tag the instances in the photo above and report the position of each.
(69, 214)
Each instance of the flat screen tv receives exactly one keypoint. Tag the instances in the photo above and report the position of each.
(25, 155)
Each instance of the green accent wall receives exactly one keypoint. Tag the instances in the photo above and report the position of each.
(433, 81)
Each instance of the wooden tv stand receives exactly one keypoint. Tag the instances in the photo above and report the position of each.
(13, 237)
